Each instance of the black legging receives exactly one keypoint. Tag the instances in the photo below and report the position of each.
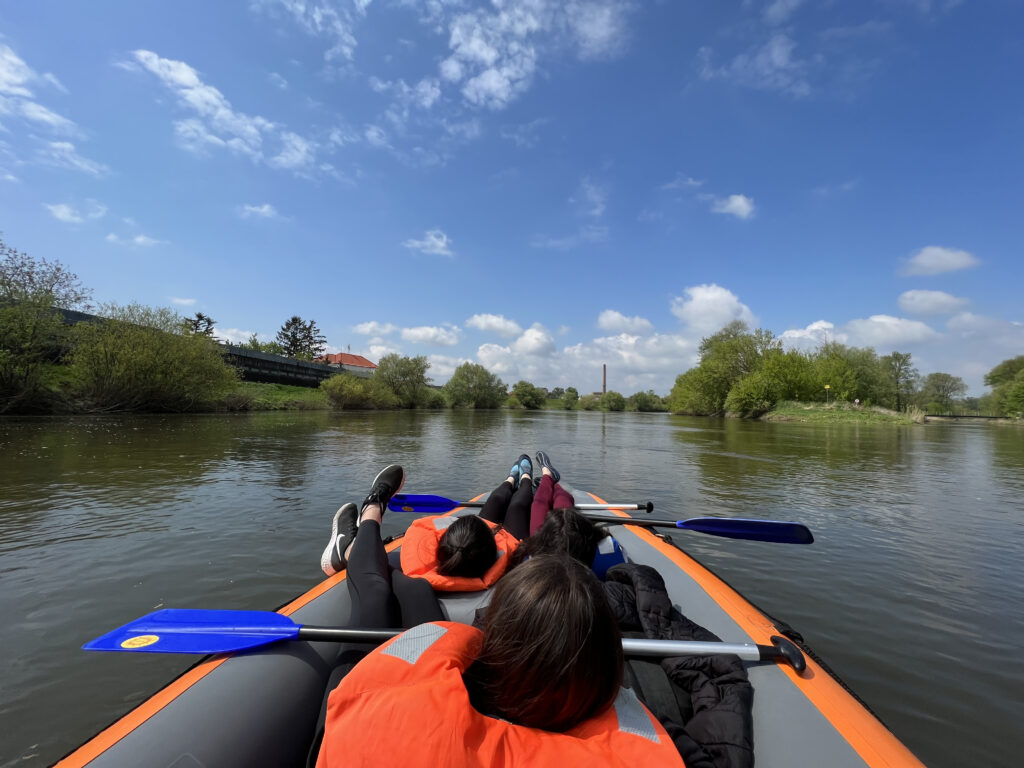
(510, 508)
(383, 596)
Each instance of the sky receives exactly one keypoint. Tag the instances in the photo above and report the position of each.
(539, 186)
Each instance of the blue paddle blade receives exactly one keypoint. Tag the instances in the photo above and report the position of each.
(755, 530)
(412, 502)
(197, 631)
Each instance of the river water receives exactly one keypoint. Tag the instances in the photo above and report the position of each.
(911, 591)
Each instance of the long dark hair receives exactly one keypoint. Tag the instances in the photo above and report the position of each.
(552, 651)
(467, 548)
(564, 531)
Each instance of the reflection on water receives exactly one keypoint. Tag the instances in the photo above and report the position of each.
(911, 590)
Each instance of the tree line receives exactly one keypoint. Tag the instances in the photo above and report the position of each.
(748, 372)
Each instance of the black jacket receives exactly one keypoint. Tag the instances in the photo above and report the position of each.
(704, 702)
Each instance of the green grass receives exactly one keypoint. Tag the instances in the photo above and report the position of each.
(838, 413)
(254, 396)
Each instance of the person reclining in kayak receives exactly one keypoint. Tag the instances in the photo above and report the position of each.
(540, 685)
(454, 554)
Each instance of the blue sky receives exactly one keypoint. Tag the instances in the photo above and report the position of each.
(538, 186)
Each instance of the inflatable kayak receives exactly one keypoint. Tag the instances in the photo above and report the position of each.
(260, 707)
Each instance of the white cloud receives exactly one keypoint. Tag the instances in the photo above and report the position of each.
(17, 97)
(740, 206)
(779, 11)
(682, 181)
(813, 336)
(708, 308)
(536, 341)
(934, 260)
(436, 336)
(264, 211)
(376, 137)
(588, 234)
(377, 351)
(236, 335)
(373, 328)
(598, 28)
(278, 80)
(297, 153)
(611, 320)
(497, 359)
(182, 302)
(498, 324)
(71, 215)
(885, 332)
(443, 366)
(592, 197)
(434, 242)
(331, 19)
(771, 67)
(524, 136)
(920, 302)
(62, 154)
(143, 241)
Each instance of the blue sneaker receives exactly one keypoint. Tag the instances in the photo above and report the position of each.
(521, 467)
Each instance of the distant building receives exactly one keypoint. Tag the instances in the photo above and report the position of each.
(356, 364)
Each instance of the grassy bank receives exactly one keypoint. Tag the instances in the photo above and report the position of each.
(834, 413)
(254, 396)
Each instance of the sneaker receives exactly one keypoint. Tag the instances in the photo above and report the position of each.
(386, 484)
(545, 461)
(343, 531)
(523, 466)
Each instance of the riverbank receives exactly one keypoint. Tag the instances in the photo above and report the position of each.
(256, 396)
(841, 412)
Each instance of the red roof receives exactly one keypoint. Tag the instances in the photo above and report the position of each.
(344, 358)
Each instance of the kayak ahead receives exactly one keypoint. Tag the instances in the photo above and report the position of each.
(260, 707)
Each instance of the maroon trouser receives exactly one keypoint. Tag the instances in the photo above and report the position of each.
(549, 495)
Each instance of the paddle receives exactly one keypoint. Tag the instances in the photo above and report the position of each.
(425, 503)
(210, 631)
(776, 531)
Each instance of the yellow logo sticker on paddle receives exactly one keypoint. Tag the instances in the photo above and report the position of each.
(140, 641)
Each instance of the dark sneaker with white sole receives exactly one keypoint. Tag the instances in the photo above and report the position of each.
(386, 484)
(343, 531)
(545, 461)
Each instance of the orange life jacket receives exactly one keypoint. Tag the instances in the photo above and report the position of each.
(419, 555)
(406, 704)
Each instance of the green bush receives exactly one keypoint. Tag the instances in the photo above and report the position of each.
(613, 401)
(752, 395)
(404, 377)
(352, 393)
(589, 403)
(529, 396)
(646, 402)
(570, 398)
(432, 398)
(138, 359)
(32, 339)
(474, 386)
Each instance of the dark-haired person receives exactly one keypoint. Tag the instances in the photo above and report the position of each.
(540, 685)
(470, 553)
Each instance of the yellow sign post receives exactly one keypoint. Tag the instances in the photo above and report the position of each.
(827, 388)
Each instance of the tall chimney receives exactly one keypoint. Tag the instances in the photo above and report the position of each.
(604, 378)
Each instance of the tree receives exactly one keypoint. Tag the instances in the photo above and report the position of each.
(404, 377)
(556, 394)
(1005, 372)
(570, 398)
(25, 278)
(267, 347)
(900, 375)
(200, 324)
(140, 359)
(529, 396)
(32, 340)
(646, 402)
(348, 393)
(474, 386)
(613, 401)
(941, 388)
(300, 339)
